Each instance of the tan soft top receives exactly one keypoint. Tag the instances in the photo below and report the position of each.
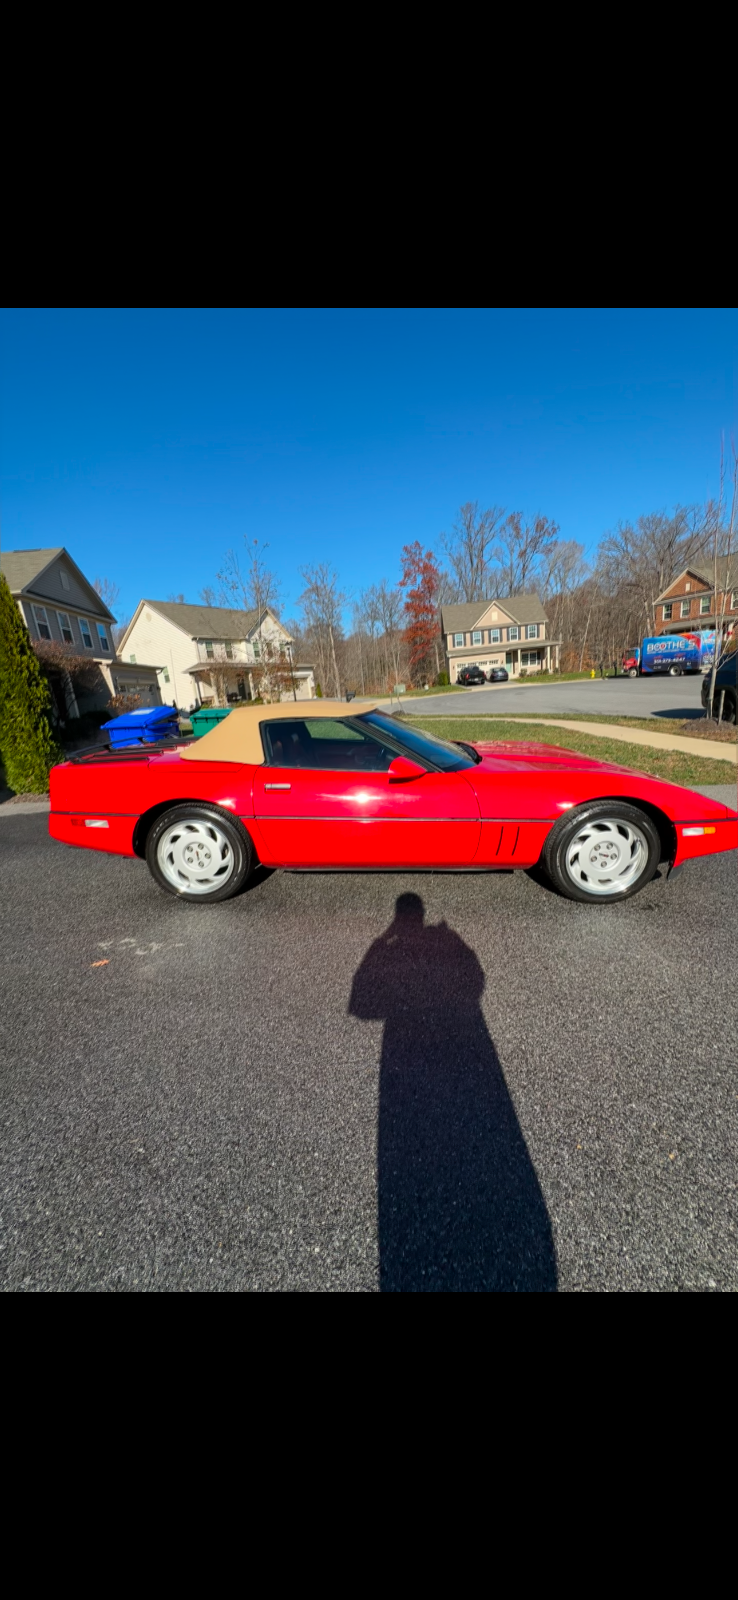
(237, 737)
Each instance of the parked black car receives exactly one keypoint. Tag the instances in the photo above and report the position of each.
(498, 675)
(725, 684)
(470, 674)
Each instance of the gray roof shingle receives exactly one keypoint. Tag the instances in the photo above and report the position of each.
(20, 567)
(521, 608)
(209, 622)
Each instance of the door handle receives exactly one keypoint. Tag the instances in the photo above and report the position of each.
(277, 785)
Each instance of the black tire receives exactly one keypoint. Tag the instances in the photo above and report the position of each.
(595, 817)
(675, 672)
(231, 853)
(632, 672)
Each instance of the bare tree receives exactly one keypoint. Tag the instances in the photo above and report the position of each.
(251, 586)
(322, 604)
(470, 550)
(724, 562)
(109, 593)
(523, 551)
(646, 555)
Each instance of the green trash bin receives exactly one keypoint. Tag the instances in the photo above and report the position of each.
(205, 720)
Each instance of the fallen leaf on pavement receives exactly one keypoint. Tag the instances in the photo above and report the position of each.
(101, 963)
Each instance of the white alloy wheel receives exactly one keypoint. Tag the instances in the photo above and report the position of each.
(195, 855)
(606, 856)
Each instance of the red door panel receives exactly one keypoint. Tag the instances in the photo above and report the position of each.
(355, 819)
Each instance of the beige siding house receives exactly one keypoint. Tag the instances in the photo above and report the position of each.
(60, 607)
(499, 633)
(203, 653)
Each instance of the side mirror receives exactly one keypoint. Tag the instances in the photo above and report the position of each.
(401, 769)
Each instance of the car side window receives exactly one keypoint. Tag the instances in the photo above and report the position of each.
(323, 744)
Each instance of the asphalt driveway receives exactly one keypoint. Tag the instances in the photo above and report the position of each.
(612, 697)
(311, 1088)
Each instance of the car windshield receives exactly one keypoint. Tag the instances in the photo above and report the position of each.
(440, 753)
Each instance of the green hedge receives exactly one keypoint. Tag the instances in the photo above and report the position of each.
(27, 745)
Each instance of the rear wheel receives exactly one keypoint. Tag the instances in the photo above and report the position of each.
(675, 672)
(196, 852)
(602, 853)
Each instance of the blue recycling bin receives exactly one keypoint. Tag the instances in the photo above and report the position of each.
(144, 726)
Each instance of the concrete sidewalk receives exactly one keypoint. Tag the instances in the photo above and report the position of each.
(655, 741)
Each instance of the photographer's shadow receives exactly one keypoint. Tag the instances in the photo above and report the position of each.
(460, 1206)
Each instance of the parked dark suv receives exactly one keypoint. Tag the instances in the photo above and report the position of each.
(471, 674)
(725, 685)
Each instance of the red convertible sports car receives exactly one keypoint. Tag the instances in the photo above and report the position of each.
(317, 787)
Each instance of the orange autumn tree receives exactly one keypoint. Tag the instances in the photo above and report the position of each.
(420, 582)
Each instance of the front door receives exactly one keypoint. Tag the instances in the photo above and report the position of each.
(324, 799)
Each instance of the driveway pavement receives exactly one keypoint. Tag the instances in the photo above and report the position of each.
(309, 1088)
(614, 697)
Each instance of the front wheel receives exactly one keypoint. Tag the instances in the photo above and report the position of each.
(632, 672)
(197, 852)
(602, 853)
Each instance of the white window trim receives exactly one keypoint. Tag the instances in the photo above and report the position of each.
(477, 636)
(532, 630)
(64, 620)
(704, 605)
(685, 607)
(513, 635)
(459, 641)
(734, 600)
(668, 606)
(44, 623)
(495, 635)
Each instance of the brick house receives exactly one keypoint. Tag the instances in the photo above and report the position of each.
(499, 633)
(688, 605)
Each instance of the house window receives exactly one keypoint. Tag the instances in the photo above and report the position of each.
(133, 659)
(687, 588)
(209, 650)
(64, 578)
(494, 637)
(532, 630)
(734, 600)
(102, 636)
(704, 605)
(476, 637)
(513, 633)
(458, 641)
(667, 612)
(42, 622)
(84, 628)
(229, 652)
(529, 658)
(65, 627)
(684, 608)
(257, 650)
(165, 674)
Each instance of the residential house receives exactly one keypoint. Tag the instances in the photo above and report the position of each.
(204, 653)
(688, 604)
(499, 633)
(62, 609)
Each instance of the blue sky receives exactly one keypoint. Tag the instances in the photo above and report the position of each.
(148, 442)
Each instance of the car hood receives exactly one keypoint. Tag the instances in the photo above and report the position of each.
(518, 755)
(595, 778)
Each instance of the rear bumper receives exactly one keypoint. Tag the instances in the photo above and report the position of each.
(91, 830)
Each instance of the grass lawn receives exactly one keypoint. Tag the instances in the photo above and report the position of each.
(673, 765)
(685, 728)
